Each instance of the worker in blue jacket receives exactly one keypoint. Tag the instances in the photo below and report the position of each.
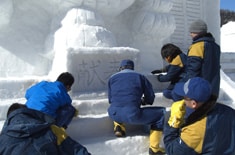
(31, 132)
(175, 70)
(52, 98)
(127, 91)
(208, 130)
(203, 56)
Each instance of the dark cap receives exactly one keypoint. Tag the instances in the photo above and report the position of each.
(127, 63)
(195, 88)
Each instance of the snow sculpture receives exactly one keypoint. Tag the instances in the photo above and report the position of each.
(83, 30)
(32, 38)
(6, 10)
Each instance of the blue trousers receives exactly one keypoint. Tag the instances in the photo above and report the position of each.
(170, 94)
(65, 115)
(153, 116)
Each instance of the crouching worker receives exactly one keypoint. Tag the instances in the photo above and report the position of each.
(125, 91)
(27, 132)
(52, 98)
(175, 70)
(208, 130)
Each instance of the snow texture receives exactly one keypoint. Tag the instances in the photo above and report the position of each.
(41, 39)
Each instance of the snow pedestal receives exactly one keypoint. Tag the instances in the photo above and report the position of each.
(15, 87)
(19, 65)
(92, 67)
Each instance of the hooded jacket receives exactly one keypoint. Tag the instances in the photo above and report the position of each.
(27, 132)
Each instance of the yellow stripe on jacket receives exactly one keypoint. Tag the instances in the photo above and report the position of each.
(177, 61)
(193, 135)
(197, 49)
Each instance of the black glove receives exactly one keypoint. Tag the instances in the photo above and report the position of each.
(159, 76)
(143, 102)
(156, 71)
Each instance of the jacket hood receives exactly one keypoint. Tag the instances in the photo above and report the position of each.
(25, 122)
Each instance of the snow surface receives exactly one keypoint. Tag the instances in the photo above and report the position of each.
(227, 36)
(37, 43)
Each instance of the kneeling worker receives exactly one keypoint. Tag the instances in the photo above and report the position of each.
(125, 91)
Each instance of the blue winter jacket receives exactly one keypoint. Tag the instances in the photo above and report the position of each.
(47, 97)
(27, 132)
(204, 61)
(126, 88)
(175, 70)
(210, 130)
(131, 86)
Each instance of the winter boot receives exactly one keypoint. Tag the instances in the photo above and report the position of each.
(119, 130)
(155, 139)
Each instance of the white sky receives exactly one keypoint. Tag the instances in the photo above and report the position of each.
(92, 128)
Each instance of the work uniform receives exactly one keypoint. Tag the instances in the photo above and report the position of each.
(175, 71)
(204, 61)
(28, 132)
(125, 92)
(207, 131)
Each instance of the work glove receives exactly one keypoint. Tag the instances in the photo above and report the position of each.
(59, 133)
(177, 114)
(157, 71)
(76, 112)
